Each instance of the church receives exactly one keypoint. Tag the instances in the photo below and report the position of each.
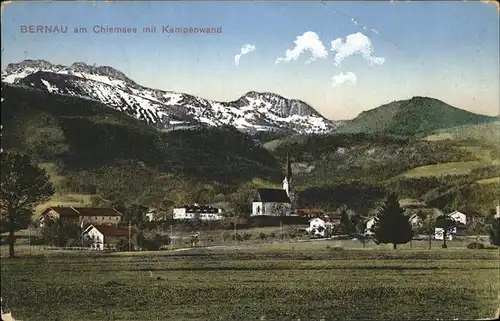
(276, 202)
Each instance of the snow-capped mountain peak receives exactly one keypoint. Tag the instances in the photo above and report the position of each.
(254, 111)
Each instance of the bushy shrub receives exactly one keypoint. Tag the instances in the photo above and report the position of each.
(111, 283)
(122, 244)
(246, 236)
(262, 236)
(37, 240)
(226, 236)
(156, 242)
(239, 237)
(475, 246)
(292, 233)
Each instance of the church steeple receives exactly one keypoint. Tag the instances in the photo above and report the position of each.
(288, 168)
(288, 185)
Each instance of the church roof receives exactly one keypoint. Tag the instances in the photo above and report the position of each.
(272, 195)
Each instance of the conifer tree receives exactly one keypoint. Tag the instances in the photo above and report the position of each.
(391, 224)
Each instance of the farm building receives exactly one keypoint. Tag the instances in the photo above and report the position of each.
(414, 214)
(81, 215)
(204, 213)
(104, 236)
(309, 212)
(333, 219)
(474, 217)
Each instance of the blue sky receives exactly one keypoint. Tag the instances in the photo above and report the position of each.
(446, 50)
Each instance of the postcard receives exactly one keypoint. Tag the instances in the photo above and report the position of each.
(250, 160)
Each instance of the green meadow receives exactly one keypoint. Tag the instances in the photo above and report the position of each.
(270, 281)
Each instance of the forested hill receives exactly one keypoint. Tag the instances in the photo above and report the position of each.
(81, 134)
(413, 116)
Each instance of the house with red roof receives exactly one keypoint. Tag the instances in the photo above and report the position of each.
(106, 235)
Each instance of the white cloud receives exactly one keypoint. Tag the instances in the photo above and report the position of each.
(244, 50)
(356, 43)
(309, 41)
(343, 77)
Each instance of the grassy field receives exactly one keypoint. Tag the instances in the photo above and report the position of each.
(458, 168)
(279, 281)
(488, 132)
(483, 153)
(492, 180)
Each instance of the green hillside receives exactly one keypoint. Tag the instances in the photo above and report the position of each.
(329, 167)
(410, 117)
(488, 132)
(337, 158)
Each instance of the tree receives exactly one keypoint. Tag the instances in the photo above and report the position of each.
(22, 187)
(345, 222)
(426, 225)
(360, 230)
(447, 224)
(194, 239)
(240, 201)
(476, 228)
(494, 231)
(135, 214)
(348, 221)
(122, 244)
(60, 233)
(391, 224)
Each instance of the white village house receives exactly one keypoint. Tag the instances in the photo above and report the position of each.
(369, 224)
(322, 226)
(415, 220)
(459, 217)
(439, 233)
(317, 227)
(151, 215)
(273, 201)
(204, 213)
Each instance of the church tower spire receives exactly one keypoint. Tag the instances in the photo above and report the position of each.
(288, 185)
(288, 167)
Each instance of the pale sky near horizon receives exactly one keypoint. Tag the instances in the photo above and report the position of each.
(340, 57)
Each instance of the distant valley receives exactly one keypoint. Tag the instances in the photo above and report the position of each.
(106, 140)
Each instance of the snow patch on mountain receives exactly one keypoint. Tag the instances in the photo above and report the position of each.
(253, 111)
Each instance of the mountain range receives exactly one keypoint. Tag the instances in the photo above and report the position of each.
(253, 113)
(167, 110)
